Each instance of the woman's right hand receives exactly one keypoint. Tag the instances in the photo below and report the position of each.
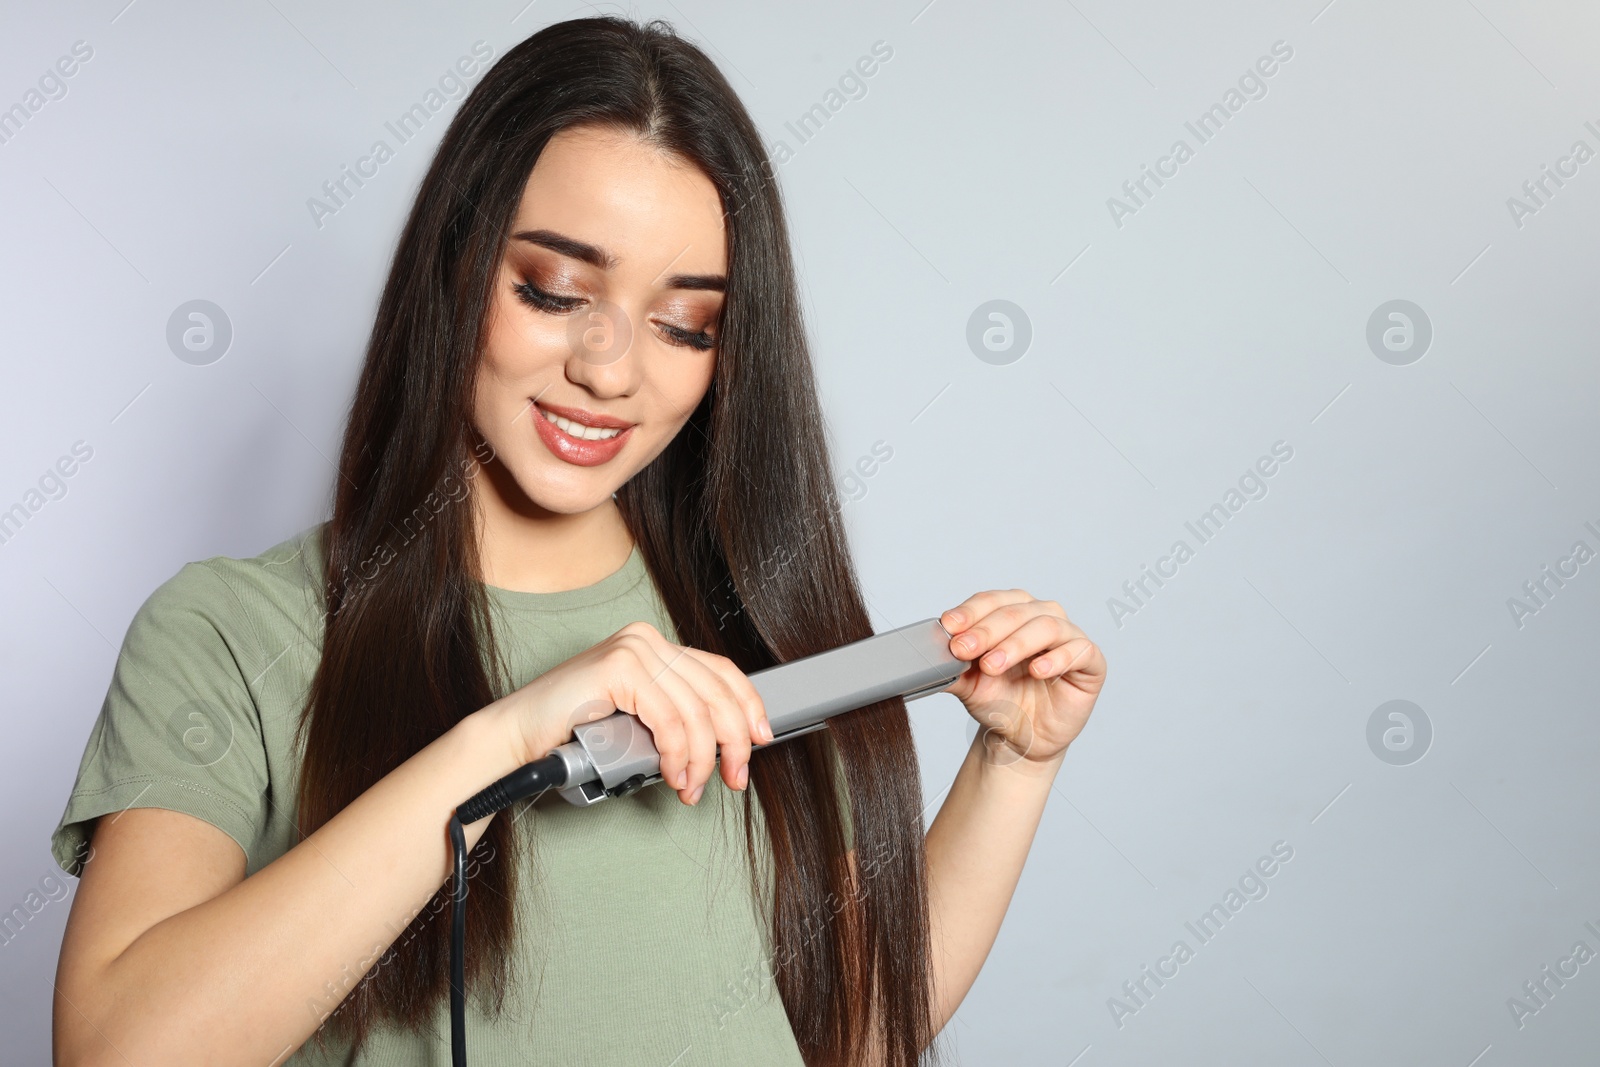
(693, 702)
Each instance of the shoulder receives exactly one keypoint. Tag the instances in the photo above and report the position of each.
(289, 571)
(240, 597)
(204, 686)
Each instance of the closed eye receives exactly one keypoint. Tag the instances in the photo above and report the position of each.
(550, 303)
(540, 300)
(700, 342)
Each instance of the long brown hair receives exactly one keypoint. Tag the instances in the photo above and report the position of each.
(736, 521)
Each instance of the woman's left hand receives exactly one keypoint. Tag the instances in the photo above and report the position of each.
(1036, 675)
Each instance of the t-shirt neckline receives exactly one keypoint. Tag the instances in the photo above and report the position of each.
(613, 585)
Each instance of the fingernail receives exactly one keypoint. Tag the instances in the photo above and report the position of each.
(764, 728)
(695, 796)
(742, 777)
(955, 617)
(683, 778)
(967, 642)
(996, 658)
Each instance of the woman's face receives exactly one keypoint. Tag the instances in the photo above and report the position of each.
(603, 324)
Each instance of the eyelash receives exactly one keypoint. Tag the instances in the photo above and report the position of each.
(540, 300)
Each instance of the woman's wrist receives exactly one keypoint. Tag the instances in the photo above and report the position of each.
(496, 732)
(1001, 756)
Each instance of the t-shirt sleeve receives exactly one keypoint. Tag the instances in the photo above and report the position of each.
(179, 728)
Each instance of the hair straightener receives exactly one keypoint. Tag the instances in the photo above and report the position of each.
(616, 756)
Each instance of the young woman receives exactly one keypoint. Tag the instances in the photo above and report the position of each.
(584, 470)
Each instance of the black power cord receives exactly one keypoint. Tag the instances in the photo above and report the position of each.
(458, 946)
(530, 780)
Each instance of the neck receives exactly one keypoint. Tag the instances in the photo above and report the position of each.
(525, 548)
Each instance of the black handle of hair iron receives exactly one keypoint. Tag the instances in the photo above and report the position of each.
(615, 756)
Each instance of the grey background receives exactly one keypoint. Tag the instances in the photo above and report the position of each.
(1167, 355)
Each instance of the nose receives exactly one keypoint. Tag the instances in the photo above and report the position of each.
(604, 351)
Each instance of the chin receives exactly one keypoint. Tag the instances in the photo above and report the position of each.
(568, 492)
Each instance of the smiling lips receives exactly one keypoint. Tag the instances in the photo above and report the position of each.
(580, 437)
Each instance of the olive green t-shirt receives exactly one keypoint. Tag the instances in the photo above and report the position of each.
(637, 938)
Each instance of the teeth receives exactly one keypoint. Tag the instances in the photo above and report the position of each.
(575, 429)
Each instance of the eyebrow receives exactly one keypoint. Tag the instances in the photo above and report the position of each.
(595, 256)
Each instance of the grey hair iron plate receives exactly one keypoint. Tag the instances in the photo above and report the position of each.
(615, 756)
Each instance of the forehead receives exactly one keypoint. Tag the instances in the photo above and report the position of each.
(610, 188)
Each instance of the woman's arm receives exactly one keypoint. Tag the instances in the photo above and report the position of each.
(976, 848)
(1033, 680)
(172, 956)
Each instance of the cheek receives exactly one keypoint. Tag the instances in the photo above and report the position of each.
(683, 382)
(519, 349)
(677, 386)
